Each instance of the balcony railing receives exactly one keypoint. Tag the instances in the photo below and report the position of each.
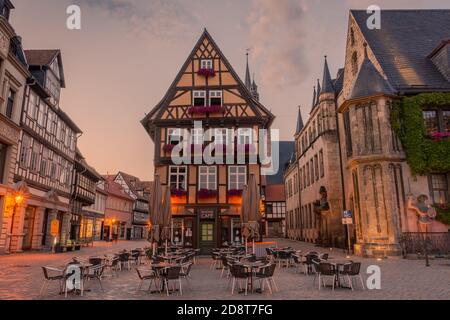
(436, 243)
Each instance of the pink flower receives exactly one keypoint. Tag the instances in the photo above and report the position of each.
(206, 72)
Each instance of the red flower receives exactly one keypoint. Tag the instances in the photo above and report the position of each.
(206, 194)
(168, 147)
(206, 72)
(206, 110)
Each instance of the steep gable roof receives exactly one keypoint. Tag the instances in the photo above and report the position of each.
(403, 44)
(44, 58)
(159, 108)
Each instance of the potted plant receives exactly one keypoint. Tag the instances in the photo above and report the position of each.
(206, 194)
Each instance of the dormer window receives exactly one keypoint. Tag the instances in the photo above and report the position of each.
(199, 98)
(206, 64)
(215, 98)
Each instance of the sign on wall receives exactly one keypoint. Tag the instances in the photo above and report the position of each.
(54, 228)
(347, 217)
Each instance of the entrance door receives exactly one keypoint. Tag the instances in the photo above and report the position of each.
(28, 228)
(207, 237)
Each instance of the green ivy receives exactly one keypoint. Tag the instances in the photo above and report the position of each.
(423, 155)
(443, 215)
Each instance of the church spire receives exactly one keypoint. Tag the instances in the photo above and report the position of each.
(327, 83)
(248, 80)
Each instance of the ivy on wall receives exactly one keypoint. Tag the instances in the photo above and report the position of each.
(424, 154)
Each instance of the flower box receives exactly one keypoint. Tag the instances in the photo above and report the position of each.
(178, 193)
(206, 110)
(438, 136)
(235, 193)
(206, 72)
(206, 194)
(168, 147)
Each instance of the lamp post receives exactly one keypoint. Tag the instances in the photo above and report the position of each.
(18, 200)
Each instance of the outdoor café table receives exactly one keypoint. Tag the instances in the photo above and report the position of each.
(338, 266)
(84, 270)
(159, 267)
(252, 267)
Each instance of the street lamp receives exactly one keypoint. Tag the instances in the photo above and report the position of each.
(18, 200)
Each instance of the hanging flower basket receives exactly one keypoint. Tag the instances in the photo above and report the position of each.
(206, 194)
(206, 73)
(206, 110)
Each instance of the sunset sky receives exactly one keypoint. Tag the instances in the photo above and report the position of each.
(119, 66)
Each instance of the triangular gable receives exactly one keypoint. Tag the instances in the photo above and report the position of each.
(187, 80)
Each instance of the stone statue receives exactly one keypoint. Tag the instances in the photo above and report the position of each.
(424, 211)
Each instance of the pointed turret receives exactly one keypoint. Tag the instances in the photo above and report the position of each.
(314, 98)
(300, 124)
(254, 89)
(327, 82)
(319, 92)
(369, 81)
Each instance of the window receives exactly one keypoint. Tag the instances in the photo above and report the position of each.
(439, 188)
(431, 122)
(352, 37)
(32, 106)
(197, 137)
(178, 178)
(10, 103)
(311, 167)
(307, 175)
(35, 154)
(244, 136)
(446, 120)
(321, 164)
(24, 151)
(44, 161)
(237, 177)
(42, 114)
(174, 136)
(319, 123)
(199, 98)
(301, 179)
(316, 166)
(3, 150)
(348, 133)
(215, 98)
(206, 64)
(207, 178)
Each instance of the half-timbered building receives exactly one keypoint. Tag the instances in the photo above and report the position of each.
(84, 184)
(46, 158)
(207, 107)
(140, 192)
(13, 75)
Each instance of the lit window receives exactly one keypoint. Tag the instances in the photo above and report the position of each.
(439, 188)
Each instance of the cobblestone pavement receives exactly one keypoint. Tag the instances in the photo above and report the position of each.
(21, 278)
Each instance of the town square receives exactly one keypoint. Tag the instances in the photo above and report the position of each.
(191, 151)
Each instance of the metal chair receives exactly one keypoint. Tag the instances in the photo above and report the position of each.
(51, 275)
(326, 270)
(147, 274)
(352, 271)
(240, 275)
(170, 275)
